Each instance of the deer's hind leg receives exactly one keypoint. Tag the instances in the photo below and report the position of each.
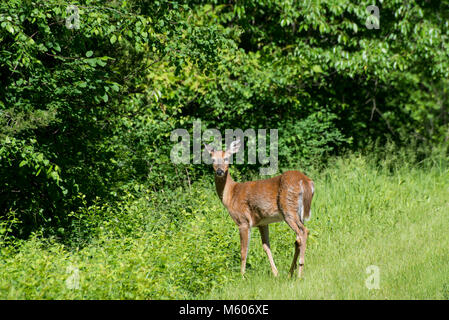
(291, 207)
(300, 244)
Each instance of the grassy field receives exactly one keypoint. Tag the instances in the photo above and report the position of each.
(363, 218)
(184, 245)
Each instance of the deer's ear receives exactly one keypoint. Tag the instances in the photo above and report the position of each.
(209, 148)
(234, 147)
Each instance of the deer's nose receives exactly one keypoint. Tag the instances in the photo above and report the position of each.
(220, 172)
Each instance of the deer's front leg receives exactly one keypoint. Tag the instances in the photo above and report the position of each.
(264, 234)
(245, 233)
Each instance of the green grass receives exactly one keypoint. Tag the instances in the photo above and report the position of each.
(182, 244)
(398, 222)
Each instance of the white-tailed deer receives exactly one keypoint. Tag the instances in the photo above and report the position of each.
(250, 204)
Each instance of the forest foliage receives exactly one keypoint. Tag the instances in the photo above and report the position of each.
(86, 113)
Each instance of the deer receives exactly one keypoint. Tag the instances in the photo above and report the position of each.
(286, 197)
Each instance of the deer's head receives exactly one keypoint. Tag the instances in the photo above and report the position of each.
(220, 159)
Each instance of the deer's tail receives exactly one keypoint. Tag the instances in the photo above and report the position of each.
(307, 189)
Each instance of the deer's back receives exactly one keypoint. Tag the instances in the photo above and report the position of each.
(264, 201)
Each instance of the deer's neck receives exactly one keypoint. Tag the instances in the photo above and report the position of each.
(224, 186)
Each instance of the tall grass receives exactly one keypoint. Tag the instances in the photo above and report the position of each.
(396, 221)
(182, 244)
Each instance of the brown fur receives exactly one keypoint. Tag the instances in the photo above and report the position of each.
(259, 203)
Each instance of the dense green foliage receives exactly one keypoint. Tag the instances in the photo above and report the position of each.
(89, 111)
(86, 115)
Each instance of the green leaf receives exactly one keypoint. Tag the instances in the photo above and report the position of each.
(89, 54)
(317, 69)
(113, 39)
(10, 28)
(101, 63)
(92, 62)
